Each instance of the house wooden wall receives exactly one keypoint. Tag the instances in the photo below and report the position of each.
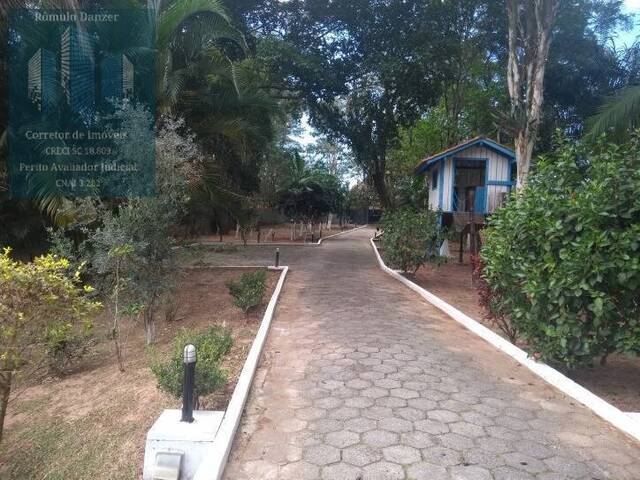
(497, 169)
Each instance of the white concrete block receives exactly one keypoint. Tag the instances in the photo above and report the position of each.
(167, 466)
(444, 249)
(169, 435)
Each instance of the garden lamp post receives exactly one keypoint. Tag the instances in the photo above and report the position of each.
(189, 360)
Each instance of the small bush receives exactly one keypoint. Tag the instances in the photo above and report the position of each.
(563, 256)
(410, 238)
(65, 344)
(248, 291)
(211, 346)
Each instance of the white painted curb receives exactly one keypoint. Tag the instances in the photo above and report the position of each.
(213, 466)
(222, 267)
(613, 415)
(341, 233)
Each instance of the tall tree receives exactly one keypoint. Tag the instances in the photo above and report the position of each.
(530, 27)
(372, 67)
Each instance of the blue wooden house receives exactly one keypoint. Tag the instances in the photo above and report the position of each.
(474, 176)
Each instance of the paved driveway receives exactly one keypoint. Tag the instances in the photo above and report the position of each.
(361, 379)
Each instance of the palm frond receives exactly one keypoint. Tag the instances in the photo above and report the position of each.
(175, 83)
(618, 113)
(179, 11)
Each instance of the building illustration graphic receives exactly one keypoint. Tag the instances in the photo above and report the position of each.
(42, 80)
(77, 68)
(72, 76)
(116, 77)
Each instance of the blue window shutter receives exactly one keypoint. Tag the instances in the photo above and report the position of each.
(480, 200)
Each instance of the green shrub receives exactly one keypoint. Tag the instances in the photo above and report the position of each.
(211, 346)
(248, 291)
(563, 256)
(65, 344)
(410, 238)
(42, 305)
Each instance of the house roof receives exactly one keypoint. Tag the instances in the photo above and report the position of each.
(474, 142)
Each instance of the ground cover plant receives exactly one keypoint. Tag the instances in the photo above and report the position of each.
(248, 290)
(562, 257)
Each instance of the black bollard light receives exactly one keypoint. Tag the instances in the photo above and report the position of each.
(277, 257)
(189, 360)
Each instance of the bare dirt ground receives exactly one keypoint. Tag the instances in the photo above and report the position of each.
(274, 234)
(618, 382)
(92, 423)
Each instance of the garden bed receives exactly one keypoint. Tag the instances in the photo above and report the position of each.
(617, 382)
(93, 422)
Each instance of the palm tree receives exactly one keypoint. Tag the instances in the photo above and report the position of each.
(203, 22)
(232, 115)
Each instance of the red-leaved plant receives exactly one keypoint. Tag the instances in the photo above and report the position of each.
(486, 296)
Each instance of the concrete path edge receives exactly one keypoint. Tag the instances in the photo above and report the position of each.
(600, 407)
(213, 466)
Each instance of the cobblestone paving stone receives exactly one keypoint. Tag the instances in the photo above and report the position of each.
(361, 380)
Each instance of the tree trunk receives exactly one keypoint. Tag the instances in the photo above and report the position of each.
(149, 324)
(524, 151)
(380, 184)
(116, 318)
(530, 26)
(116, 338)
(6, 377)
(119, 354)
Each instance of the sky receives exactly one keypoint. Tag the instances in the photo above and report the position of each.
(632, 6)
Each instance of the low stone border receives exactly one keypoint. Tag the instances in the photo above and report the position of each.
(623, 421)
(275, 244)
(213, 466)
